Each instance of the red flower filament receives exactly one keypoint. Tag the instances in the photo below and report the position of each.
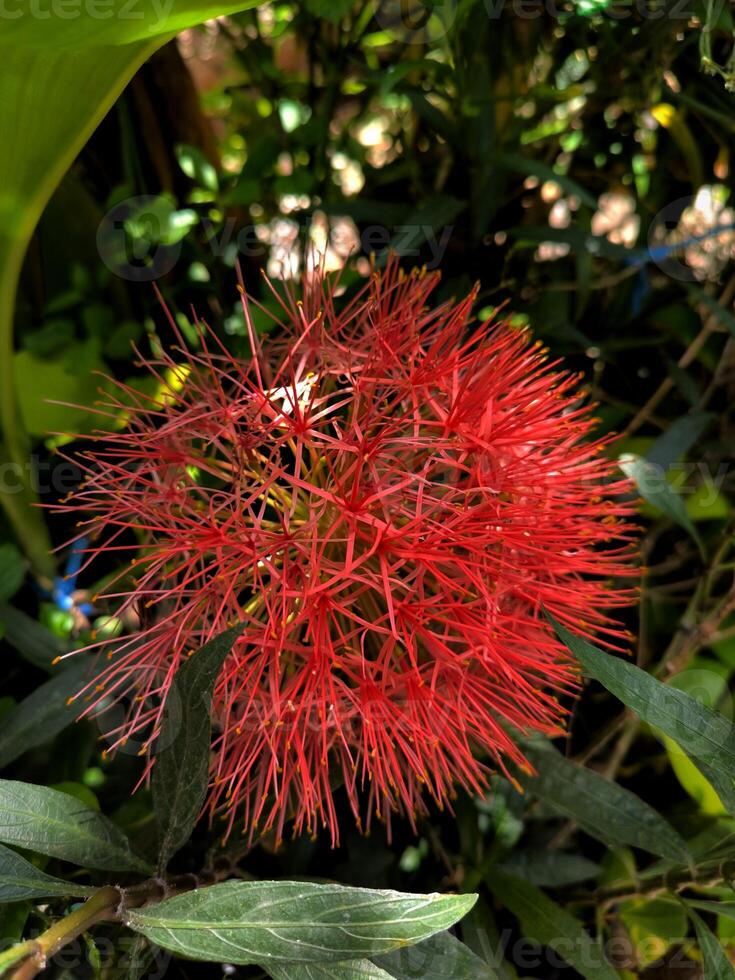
(386, 496)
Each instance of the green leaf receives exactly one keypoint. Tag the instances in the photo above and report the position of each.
(181, 770)
(546, 923)
(19, 879)
(653, 486)
(257, 922)
(196, 167)
(12, 571)
(716, 964)
(44, 820)
(436, 958)
(44, 713)
(332, 10)
(654, 925)
(47, 116)
(726, 909)
(354, 970)
(704, 734)
(549, 868)
(603, 809)
(679, 438)
(721, 782)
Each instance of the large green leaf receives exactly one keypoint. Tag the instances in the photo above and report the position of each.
(181, 771)
(46, 116)
(550, 925)
(603, 809)
(704, 734)
(19, 879)
(41, 819)
(256, 922)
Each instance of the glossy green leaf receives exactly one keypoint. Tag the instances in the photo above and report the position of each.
(548, 924)
(44, 820)
(603, 809)
(714, 959)
(255, 922)
(704, 734)
(650, 479)
(181, 771)
(19, 879)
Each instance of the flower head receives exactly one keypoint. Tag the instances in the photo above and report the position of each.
(387, 495)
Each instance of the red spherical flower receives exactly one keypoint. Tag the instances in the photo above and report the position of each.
(387, 496)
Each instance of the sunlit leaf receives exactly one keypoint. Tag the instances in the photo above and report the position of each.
(256, 922)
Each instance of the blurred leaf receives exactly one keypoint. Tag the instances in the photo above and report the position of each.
(716, 964)
(654, 925)
(196, 167)
(181, 770)
(602, 808)
(256, 922)
(722, 314)
(678, 439)
(654, 487)
(550, 925)
(44, 713)
(41, 819)
(704, 734)
(551, 869)
(332, 10)
(674, 121)
(535, 168)
(19, 879)
(35, 644)
(67, 378)
(12, 571)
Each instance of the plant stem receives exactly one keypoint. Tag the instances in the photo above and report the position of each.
(102, 906)
(18, 500)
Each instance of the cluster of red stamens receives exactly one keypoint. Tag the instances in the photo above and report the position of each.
(387, 496)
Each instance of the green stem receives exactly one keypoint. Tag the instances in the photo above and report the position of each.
(101, 906)
(17, 493)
